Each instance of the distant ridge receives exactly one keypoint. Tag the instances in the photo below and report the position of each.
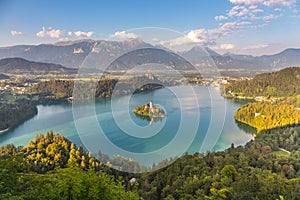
(20, 65)
(3, 76)
(72, 54)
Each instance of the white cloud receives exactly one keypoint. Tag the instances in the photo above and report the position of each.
(253, 7)
(257, 10)
(199, 36)
(82, 34)
(240, 11)
(64, 39)
(270, 17)
(245, 12)
(269, 3)
(234, 11)
(176, 42)
(279, 2)
(223, 47)
(50, 32)
(220, 17)
(208, 37)
(254, 47)
(70, 33)
(15, 33)
(122, 35)
(155, 39)
(228, 28)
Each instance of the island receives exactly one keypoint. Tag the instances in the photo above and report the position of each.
(150, 111)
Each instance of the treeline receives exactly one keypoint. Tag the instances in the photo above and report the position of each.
(16, 182)
(284, 137)
(104, 88)
(266, 115)
(51, 167)
(250, 172)
(46, 152)
(12, 114)
(53, 89)
(283, 83)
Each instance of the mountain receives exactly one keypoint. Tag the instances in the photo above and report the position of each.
(286, 58)
(150, 55)
(3, 76)
(199, 56)
(103, 53)
(71, 54)
(20, 65)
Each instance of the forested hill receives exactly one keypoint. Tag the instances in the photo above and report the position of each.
(267, 115)
(260, 170)
(20, 65)
(51, 167)
(283, 83)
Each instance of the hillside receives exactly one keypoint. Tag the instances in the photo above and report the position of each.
(71, 54)
(283, 83)
(12, 114)
(20, 65)
(278, 99)
(61, 89)
(51, 167)
(259, 170)
(255, 171)
(266, 115)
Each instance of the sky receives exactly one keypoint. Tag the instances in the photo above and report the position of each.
(254, 27)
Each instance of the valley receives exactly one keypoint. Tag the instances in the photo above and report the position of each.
(42, 94)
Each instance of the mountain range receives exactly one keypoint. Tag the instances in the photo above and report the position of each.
(72, 54)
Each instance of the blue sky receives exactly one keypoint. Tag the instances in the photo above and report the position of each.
(239, 26)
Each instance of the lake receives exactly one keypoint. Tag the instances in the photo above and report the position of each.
(198, 119)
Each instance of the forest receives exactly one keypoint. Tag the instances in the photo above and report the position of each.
(103, 88)
(277, 95)
(267, 115)
(51, 167)
(283, 83)
(12, 114)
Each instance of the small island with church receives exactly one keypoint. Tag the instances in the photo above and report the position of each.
(150, 110)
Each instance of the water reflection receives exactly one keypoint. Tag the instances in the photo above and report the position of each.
(246, 128)
(149, 119)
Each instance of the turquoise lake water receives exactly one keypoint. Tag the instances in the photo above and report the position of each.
(198, 119)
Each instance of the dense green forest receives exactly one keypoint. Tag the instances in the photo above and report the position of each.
(12, 114)
(51, 167)
(267, 115)
(53, 89)
(255, 171)
(279, 95)
(283, 83)
(104, 88)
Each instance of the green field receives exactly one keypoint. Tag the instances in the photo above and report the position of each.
(280, 153)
